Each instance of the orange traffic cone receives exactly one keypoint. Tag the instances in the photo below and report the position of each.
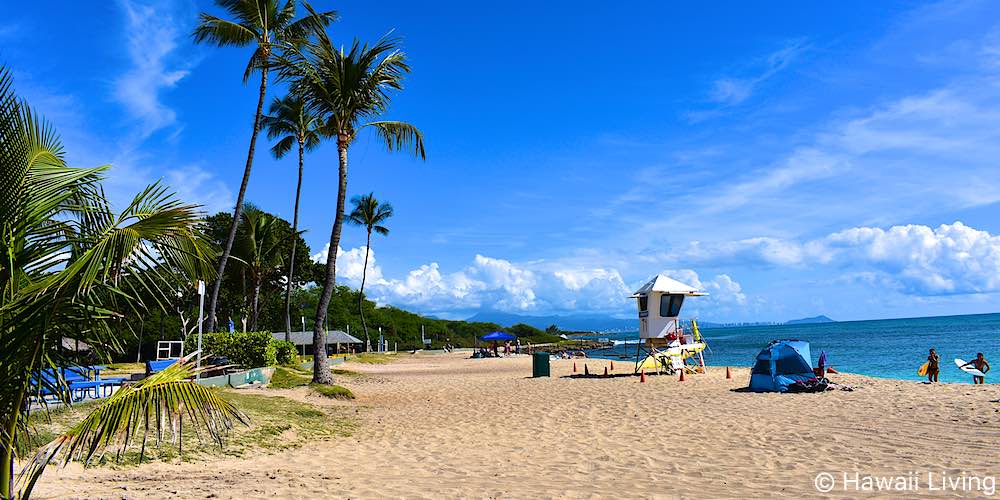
(729, 372)
(642, 377)
(574, 367)
(605, 371)
(682, 375)
(586, 371)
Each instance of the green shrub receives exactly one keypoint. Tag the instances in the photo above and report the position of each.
(250, 349)
(284, 352)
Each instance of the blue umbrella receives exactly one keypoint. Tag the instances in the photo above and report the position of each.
(497, 336)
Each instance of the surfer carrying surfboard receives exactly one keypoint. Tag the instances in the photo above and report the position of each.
(980, 364)
(933, 366)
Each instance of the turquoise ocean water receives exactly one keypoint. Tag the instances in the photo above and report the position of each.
(892, 348)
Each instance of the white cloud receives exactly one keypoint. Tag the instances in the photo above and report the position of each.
(488, 283)
(725, 296)
(151, 37)
(952, 258)
(914, 259)
(195, 184)
(731, 91)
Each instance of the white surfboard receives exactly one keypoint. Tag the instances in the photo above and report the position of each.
(968, 369)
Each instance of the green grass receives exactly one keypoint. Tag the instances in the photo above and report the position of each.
(332, 391)
(115, 369)
(287, 377)
(373, 358)
(276, 423)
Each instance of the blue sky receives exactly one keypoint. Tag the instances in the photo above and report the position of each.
(792, 159)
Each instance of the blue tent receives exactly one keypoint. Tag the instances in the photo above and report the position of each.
(497, 336)
(781, 364)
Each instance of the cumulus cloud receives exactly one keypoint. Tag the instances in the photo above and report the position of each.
(948, 259)
(487, 283)
(914, 259)
(725, 295)
(151, 37)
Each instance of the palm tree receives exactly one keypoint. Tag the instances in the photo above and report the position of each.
(258, 248)
(348, 90)
(273, 28)
(73, 268)
(290, 120)
(371, 214)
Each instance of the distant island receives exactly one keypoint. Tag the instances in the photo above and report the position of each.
(808, 321)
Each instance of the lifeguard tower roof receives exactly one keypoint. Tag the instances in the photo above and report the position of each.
(667, 285)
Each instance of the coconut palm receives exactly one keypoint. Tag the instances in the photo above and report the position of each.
(258, 248)
(73, 268)
(272, 28)
(349, 90)
(290, 120)
(371, 214)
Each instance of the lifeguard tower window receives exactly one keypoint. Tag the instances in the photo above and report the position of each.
(670, 305)
(643, 303)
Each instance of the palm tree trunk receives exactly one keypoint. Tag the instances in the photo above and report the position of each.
(321, 371)
(361, 293)
(228, 248)
(255, 305)
(7, 448)
(20, 384)
(295, 239)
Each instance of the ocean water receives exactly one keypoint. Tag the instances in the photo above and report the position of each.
(892, 348)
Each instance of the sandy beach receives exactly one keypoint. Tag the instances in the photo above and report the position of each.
(442, 426)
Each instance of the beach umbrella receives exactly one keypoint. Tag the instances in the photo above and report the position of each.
(495, 336)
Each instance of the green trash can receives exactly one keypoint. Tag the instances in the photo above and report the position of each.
(540, 364)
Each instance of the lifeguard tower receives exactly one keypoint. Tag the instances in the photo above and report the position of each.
(663, 345)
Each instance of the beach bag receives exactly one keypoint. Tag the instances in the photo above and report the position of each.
(811, 385)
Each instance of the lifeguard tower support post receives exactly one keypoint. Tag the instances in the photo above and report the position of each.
(660, 302)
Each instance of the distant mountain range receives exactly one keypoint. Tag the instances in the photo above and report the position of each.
(808, 321)
(576, 322)
(598, 322)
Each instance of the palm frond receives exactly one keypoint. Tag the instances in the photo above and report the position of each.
(400, 136)
(223, 33)
(157, 403)
(370, 213)
(282, 147)
(312, 23)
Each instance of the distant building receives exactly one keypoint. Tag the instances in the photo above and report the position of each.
(336, 341)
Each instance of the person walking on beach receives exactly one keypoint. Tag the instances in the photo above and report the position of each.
(980, 364)
(822, 364)
(933, 366)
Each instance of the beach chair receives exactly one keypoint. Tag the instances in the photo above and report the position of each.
(72, 383)
(158, 366)
(81, 381)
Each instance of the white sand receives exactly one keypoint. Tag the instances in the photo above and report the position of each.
(444, 426)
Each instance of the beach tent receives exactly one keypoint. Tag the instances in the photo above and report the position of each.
(781, 364)
(495, 336)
